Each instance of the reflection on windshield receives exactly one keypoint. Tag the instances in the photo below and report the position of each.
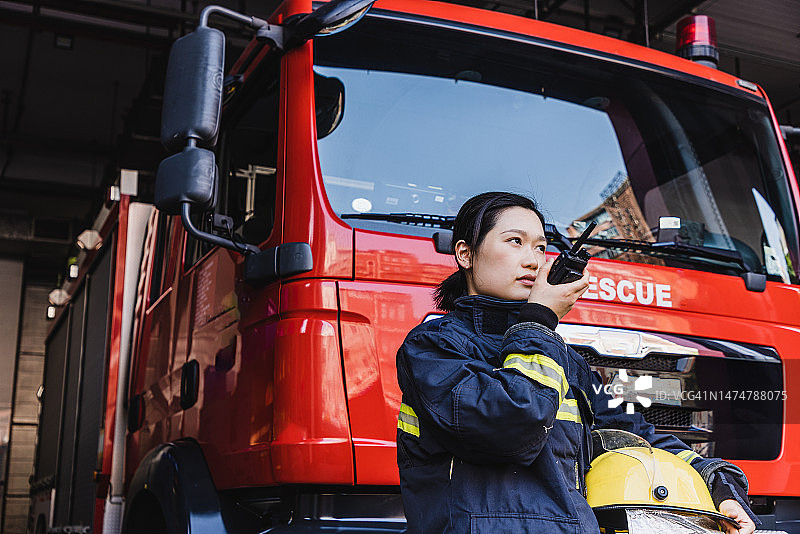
(648, 159)
(618, 216)
(427, 144)
(776, 251)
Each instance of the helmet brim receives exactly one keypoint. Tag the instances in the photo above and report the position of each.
(613, 516)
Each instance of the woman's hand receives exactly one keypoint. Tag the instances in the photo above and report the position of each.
(559, 298)
(734, 510)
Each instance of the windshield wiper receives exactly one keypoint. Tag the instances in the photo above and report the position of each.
(698, 254)
(693, 253)
(556, 238)
(718, 257)
(709, 256)
(416, 219)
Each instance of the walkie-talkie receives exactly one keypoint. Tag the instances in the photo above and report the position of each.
(569, 265)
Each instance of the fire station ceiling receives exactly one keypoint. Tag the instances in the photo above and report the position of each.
(80, 91)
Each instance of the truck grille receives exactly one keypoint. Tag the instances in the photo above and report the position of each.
(723, 424)
(667, 416)
(651, 362)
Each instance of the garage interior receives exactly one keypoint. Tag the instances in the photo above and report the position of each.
(80, 100)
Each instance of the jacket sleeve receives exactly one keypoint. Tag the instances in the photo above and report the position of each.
(733, 482)
(481, 412)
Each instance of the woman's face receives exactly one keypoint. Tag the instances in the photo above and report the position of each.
(508, 259)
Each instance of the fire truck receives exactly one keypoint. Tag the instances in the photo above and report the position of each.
(304, 219)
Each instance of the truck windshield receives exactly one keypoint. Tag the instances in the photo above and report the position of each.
(415, 119)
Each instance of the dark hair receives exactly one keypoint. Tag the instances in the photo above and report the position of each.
(475, 219)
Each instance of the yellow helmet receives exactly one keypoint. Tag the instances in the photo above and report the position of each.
(630, 477)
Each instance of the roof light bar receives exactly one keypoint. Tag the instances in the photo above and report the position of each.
(697, 40)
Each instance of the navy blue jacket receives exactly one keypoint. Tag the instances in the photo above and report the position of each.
(494, 427)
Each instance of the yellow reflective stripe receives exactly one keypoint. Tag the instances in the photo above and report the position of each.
(568, 411)
(407, 420)
(405, 427)
(408, 410)
(542, 369)
(537, 376)
(688, 456)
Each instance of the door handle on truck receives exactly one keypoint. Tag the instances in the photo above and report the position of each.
(284, 260)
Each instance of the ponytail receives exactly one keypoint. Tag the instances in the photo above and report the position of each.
(449, 289)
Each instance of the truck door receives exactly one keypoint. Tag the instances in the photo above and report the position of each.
(227, 376)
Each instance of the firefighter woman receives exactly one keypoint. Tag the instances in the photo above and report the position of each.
(494, 427)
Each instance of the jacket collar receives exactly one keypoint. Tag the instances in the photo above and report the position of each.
(489, 315)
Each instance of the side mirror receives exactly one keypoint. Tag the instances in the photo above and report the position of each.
(190, 117)
(193, 90)
(330, 18)
(189, 176)
(329, 103)
(187, 181)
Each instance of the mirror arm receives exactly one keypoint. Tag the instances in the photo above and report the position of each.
(253, 22)
(242, 248)
(789, 131)
(273, 34)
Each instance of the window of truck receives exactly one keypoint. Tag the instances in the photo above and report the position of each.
(429, 116)
(159, 278)
(247, 155)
